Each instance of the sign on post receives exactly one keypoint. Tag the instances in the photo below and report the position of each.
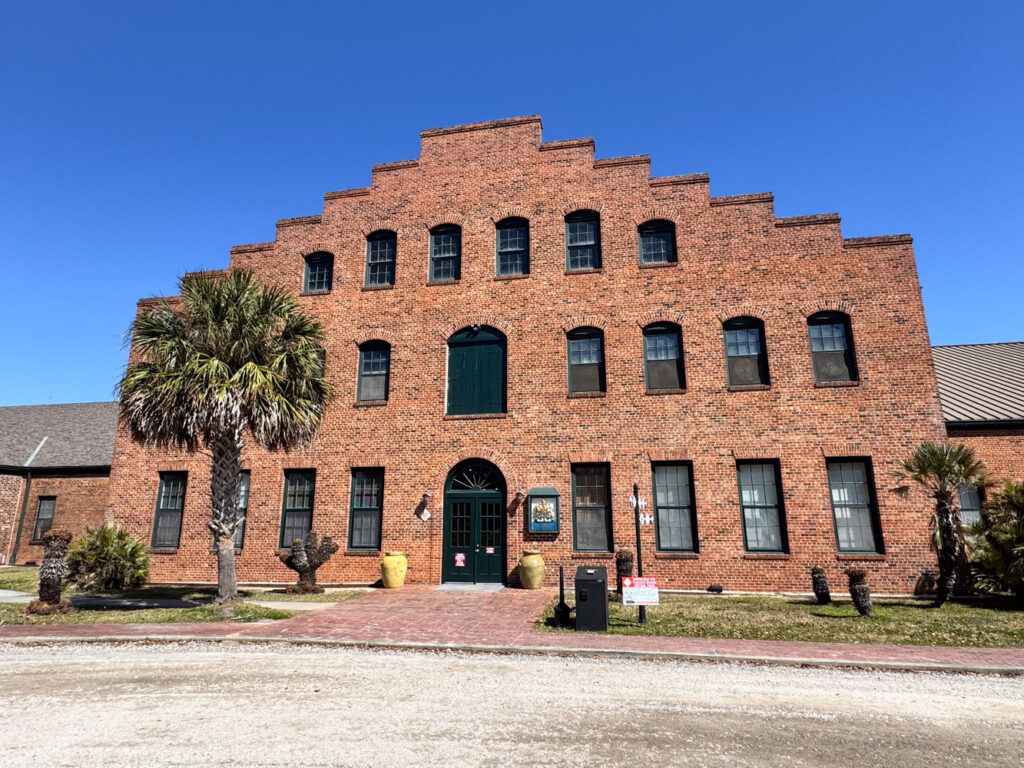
(639, 591)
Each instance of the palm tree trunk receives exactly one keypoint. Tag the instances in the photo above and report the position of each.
(225, 479)
(946, 518)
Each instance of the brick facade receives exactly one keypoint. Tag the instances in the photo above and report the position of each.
(12, 490)
(735, 258)
(1002, 449)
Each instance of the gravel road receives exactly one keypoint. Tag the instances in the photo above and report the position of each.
(215, 705)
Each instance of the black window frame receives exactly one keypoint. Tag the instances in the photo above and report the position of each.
(691, 507)
(607, 507)
(780, 505)
(370, 279)
(872, 505)
(37, 529)
(656, 228)
(375, 346)
(578, 217)
(746, 323)
(831, 318)
(318, 259)
(354, 508)
(979, 492)
(444, 230)
(162, 511)
(664, 329)
(581, 334)
(285, 509)
(506, 225)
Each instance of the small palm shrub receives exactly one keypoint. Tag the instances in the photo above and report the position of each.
(819, 583)
(860, 592)
(625, 560)
(106, 558)
(305, 559)
(51, 573)
(997, 559)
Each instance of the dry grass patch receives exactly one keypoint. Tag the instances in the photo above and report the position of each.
(14, 614)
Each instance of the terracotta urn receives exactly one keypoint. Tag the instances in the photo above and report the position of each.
(392, 569)
(531, 569)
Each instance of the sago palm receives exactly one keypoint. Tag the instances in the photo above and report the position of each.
(229, 359)
(941, 469)
(998, 557)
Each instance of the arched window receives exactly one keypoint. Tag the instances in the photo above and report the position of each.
(832, 347)
(513, 246)
(319, 272)
(663, 356)
(381, 249)
(445, 253)
(586, 360)
(582, 241)
(374, 371)
(476, 371)
(657, 242)
(745, 354)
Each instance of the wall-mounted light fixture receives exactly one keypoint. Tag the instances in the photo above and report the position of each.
(424, 513)
(520, 497)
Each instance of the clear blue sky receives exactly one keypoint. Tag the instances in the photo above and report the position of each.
(141, 140)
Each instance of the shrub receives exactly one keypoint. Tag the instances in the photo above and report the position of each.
(51, 573)
(305, 558)
(108, 558)
(625, 559)
(860, 592)
(819, 583)
(997, 559)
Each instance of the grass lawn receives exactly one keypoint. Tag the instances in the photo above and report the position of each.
(14, 614)
(279, 595)
(992, 623)
(19, 578)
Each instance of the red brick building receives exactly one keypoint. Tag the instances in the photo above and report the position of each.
(54, 472)
(509, 315)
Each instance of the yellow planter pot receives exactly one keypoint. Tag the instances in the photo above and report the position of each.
(531, 569)
(392, 569)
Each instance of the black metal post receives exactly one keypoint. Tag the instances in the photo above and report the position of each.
(639, 555)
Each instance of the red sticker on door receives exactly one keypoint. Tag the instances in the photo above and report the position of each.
(460, 559)
(489, 551)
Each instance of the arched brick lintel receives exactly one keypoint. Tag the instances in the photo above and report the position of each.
(487, 454)
(660, 316)
(373, 334)
(319, 246)
(827, 304)
(742, 310)
(584, 321)
(450, 328)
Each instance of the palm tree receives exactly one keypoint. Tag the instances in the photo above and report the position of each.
(228, 359)
(941, 469)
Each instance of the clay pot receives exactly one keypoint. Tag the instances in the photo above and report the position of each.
(531, 569)
(392, 569)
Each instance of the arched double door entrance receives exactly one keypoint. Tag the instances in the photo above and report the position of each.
(474, 524)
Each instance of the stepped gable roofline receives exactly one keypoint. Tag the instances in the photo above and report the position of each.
(66, 435)
(484, 126)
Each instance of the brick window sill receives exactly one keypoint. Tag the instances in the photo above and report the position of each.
(676, 556)
(431, 283)
(362, 553)
(852, 556)
(835, 384)
(665, 391)
(592, 555)
(511, 277)
(584, 271)
(315, 293)
(474, 416)
(766, 556)
(369, 403)
(666, 265)
(585, 395)
(750, 388)
(164, 551)
(377, 288)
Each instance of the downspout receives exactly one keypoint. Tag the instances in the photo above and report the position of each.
(24, 501)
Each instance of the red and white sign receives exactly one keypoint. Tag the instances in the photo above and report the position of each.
(639, 591)
(489, 550)
(460, 559)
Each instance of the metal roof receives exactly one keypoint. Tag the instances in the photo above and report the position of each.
(981, 382)
(65, 435)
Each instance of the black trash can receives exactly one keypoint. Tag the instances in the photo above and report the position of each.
(591, 599)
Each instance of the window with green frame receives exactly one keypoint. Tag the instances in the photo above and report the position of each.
(586, 360)
(513, 246)
(44, 516)
(445, 253)
(374, 371)
(364, 523)
(675, 515)
(582, 241)
(319, 272)
(297, 506)
(591, 508)
(764, 521)
(243, 508)
(663, 357)
(170, 503)
(381, 249)
(970, 503)
(854, 509)
(477, 372)
(657, 242)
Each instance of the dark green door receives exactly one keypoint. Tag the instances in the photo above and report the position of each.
(476, 372)
(474, 525)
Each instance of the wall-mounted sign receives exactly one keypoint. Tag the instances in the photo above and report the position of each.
(542, 510)
(460, 559)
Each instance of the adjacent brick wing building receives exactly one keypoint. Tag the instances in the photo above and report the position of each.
(54, 472)
(519, 332)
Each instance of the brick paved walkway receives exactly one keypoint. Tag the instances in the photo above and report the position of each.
(423, 616)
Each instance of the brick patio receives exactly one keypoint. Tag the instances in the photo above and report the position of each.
(423, 616)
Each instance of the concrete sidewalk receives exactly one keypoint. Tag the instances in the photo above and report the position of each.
(420, 617)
